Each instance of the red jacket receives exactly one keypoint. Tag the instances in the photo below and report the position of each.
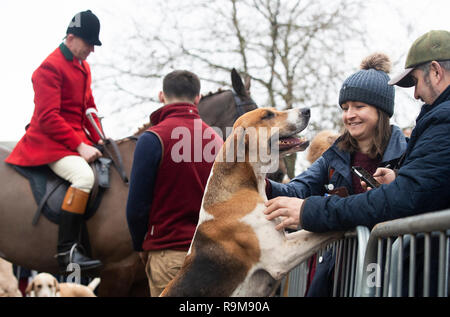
(179, 186)
(62, 88)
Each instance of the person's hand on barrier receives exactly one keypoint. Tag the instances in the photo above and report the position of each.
(382, 175)
(88, 152)
(288, 208)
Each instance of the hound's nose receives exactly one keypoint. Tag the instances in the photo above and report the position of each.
(305, 112)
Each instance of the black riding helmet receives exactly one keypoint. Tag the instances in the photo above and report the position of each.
(87, 26)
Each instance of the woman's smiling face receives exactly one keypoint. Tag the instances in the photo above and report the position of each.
(360, 119)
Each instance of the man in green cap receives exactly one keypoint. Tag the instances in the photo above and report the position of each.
(421, 182)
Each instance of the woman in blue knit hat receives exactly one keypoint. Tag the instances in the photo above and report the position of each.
(368, 140)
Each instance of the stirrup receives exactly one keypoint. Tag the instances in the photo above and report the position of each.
(67, 257)
(72, 249)
(70, 252)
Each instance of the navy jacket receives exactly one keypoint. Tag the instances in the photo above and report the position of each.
(313, 180)
(422, 184)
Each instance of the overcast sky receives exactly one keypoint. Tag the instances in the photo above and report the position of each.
(31, 30)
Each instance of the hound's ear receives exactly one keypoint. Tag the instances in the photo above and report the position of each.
(239, 134)
(29, 288)
(240, 144)
(231, 147)
(237, 83)
(56, 284)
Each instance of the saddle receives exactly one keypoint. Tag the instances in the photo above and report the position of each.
(49, 189)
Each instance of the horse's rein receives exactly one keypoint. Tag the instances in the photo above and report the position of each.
(118, 164)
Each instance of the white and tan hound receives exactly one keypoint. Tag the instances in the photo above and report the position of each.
(236, 251)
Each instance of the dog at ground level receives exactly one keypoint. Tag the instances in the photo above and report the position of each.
(236, 251)
(46, 285)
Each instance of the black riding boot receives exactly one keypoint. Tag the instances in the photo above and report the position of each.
(69, 248)
(71, 221)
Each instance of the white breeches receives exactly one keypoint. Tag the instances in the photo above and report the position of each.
(75, 170)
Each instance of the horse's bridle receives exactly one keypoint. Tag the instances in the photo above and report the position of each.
(240, 104)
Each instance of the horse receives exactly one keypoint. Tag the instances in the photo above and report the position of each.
(123, 272)
(34, 247)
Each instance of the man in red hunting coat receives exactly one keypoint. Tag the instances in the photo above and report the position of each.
(60, 135)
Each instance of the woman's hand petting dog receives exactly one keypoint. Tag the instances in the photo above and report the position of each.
(287, 208)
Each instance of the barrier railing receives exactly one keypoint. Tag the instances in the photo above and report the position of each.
(408, 257)
(349, 259)
(403, 257)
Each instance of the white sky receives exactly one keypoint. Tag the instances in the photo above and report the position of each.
(31, 30)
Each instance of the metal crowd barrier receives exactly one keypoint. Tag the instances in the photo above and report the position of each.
(408, 257)
(349, 259)
(403, 257)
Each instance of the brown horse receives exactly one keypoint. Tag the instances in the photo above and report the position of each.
(123, 273)
(34, 247)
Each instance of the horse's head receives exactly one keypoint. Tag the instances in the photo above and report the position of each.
(222, 108)
(241, 93)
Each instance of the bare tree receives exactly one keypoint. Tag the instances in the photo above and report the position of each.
(293, 50)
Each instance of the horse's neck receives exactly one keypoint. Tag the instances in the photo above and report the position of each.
(126, 148)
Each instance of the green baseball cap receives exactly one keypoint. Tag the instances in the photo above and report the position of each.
(432, 46)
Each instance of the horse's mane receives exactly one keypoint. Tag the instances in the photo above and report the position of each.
(135, 135)
(142, 129)
(210, 94)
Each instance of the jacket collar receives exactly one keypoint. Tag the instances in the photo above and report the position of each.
(184, 110)
(334, 150)
(396, 146)
(66, 52)
(444, 96)
(71, 58)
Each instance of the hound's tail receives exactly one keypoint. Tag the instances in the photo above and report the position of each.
(94, 283)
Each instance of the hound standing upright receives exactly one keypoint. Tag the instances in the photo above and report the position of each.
(236, 251)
